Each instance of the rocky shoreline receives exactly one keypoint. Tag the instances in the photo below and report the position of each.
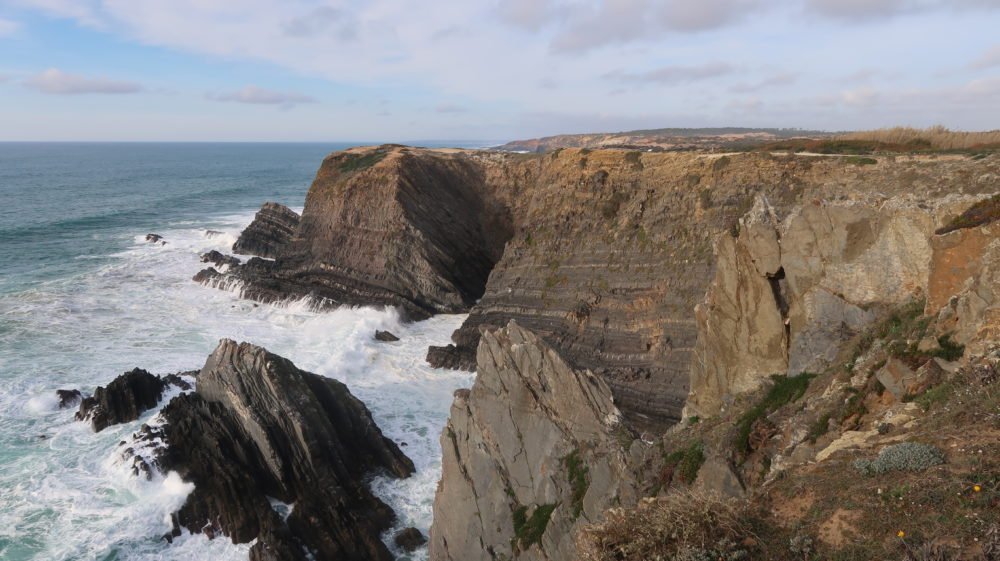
(641, 325)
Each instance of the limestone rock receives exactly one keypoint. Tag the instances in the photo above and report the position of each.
(716, 476)
(259, 429)
(532, 436)
(898, 378)
(271, 230)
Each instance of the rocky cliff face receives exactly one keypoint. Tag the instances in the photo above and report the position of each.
(530, 453)
(271, 230)
(602, 253)
(787, 296)
(259, 432)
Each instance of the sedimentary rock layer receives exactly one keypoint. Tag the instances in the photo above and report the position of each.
(126, 398)
(258, 431)
(271, 230)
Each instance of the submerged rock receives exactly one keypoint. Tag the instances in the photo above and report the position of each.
(126, 398)
(385, 336)
(205, 276)
(272, 228)
(259, 429)
(154, 238)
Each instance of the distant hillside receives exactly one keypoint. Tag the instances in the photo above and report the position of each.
(665, 139)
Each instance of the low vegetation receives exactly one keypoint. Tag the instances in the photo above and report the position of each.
(683, 526)
(683, 465)
(783, 390)
(905, 456)
(356, 162)
(528, 530)
(937, 138)
(578, 480)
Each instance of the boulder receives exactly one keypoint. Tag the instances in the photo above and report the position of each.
(257, 430)
(385, 336)
(271, 230)
(897, 378)
(451, 357)
(126, 398)
(207, 276)
(155, 238)
(409, 539)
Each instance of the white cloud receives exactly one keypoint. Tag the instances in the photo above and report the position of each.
(450, 108)
(989, 59)
(870, 10)
(261, 96)
(56, 82)
(8, 27)
(674, 75)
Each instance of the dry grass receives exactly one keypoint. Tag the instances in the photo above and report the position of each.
(935, 138)
(680, 525)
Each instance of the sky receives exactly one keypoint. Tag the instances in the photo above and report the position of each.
(403, 70)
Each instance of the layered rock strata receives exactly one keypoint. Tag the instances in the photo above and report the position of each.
(530, 453)
(259, 432)
(602, 253)
(271, 230)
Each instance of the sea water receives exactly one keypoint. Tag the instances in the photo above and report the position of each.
(84, 297)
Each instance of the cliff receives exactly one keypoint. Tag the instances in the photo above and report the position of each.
(603, 253)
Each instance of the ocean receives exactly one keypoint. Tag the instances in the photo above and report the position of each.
(83, 298)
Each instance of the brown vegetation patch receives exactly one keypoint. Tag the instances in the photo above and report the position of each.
(981, 213)
(840, 527)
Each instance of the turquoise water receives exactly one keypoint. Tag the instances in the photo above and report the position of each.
(83, 298)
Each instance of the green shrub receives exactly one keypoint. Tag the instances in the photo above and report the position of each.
(932, 397)
(528, 530)
(577, 472)
(634, 159)
(721, 163)
(687, 462)
(783, 390)
(818, 428)
(905, 456)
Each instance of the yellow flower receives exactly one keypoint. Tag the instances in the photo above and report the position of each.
(977, 488)
(901, 534)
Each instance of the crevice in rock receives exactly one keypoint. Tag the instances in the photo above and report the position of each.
(779, 289)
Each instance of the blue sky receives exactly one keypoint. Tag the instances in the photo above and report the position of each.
(397, 70)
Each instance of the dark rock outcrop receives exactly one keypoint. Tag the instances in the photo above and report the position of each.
(219, 259)
(409, 539)
(259, 429)
(207, 276)
(154, 238)
(69, 398)
(385, 336)
(271, 230)
(450, 356)
(126, 398)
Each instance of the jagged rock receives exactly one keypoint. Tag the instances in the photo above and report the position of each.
(451, 357)
(212, 233)
(897, 377)
(409, 539)
(126, 398)
(716, 476)
(385, 336)
(785, 301)
(219, 259)
(532, 436)
(68, 398)
(271, 230)
(154, 238)
(258, 428)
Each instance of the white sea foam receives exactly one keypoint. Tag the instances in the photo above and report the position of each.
(70, 495)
